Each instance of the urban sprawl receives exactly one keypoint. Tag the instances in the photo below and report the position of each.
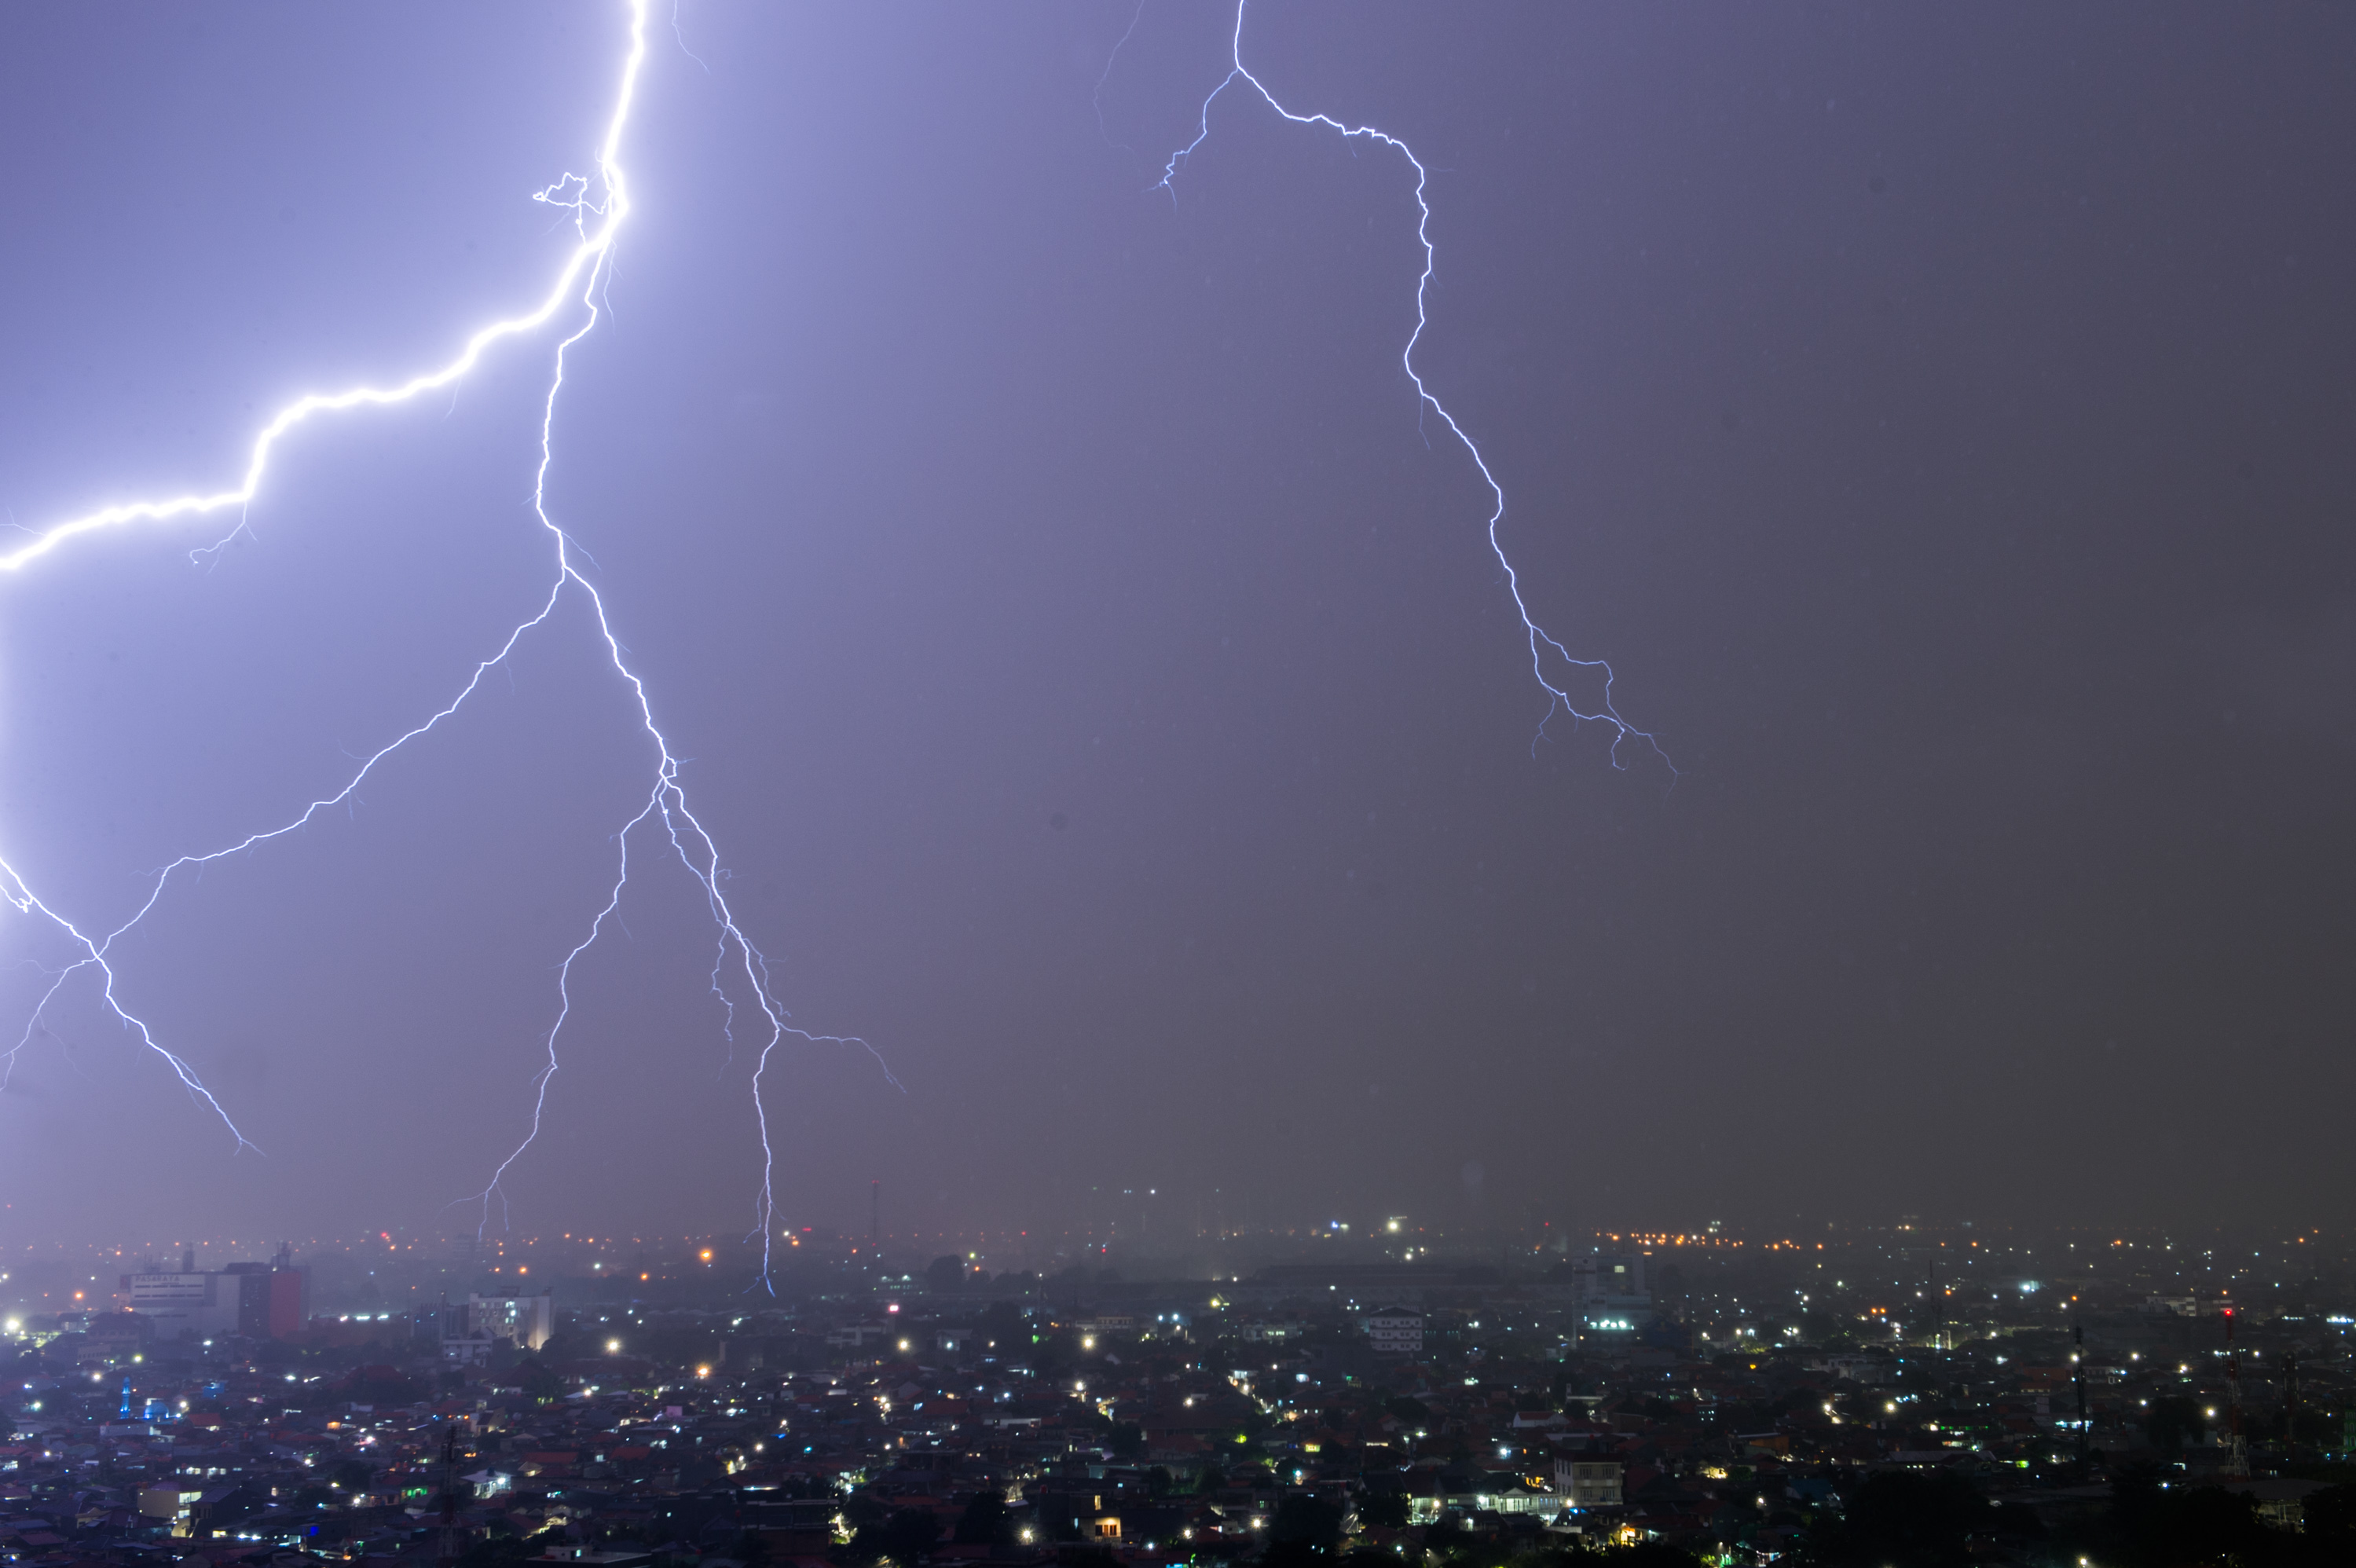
(1378, 1391)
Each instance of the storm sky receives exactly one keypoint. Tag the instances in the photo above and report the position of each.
(1096, 673)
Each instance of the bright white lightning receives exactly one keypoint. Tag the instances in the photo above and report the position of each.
(1540, 639)
(600, 204)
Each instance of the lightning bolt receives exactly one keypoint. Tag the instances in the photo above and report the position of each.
(599, 205)
(1540, 639)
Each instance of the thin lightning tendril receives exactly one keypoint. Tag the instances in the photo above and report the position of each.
(1540, 639)
(1097, 98)
(597, 206)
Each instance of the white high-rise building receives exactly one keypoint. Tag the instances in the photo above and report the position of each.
(529, 1320)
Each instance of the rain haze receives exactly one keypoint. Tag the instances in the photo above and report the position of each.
(1087, 654)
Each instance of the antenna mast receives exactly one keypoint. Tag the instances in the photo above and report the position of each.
(2237, 1452)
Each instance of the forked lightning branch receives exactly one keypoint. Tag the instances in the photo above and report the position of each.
(598, 204)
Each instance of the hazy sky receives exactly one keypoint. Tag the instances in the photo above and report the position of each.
(1098, 678)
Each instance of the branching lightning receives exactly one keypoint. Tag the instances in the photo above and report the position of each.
(1540, 639)
(599, 204)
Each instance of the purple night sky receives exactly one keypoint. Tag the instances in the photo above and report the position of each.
(1098, 683)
